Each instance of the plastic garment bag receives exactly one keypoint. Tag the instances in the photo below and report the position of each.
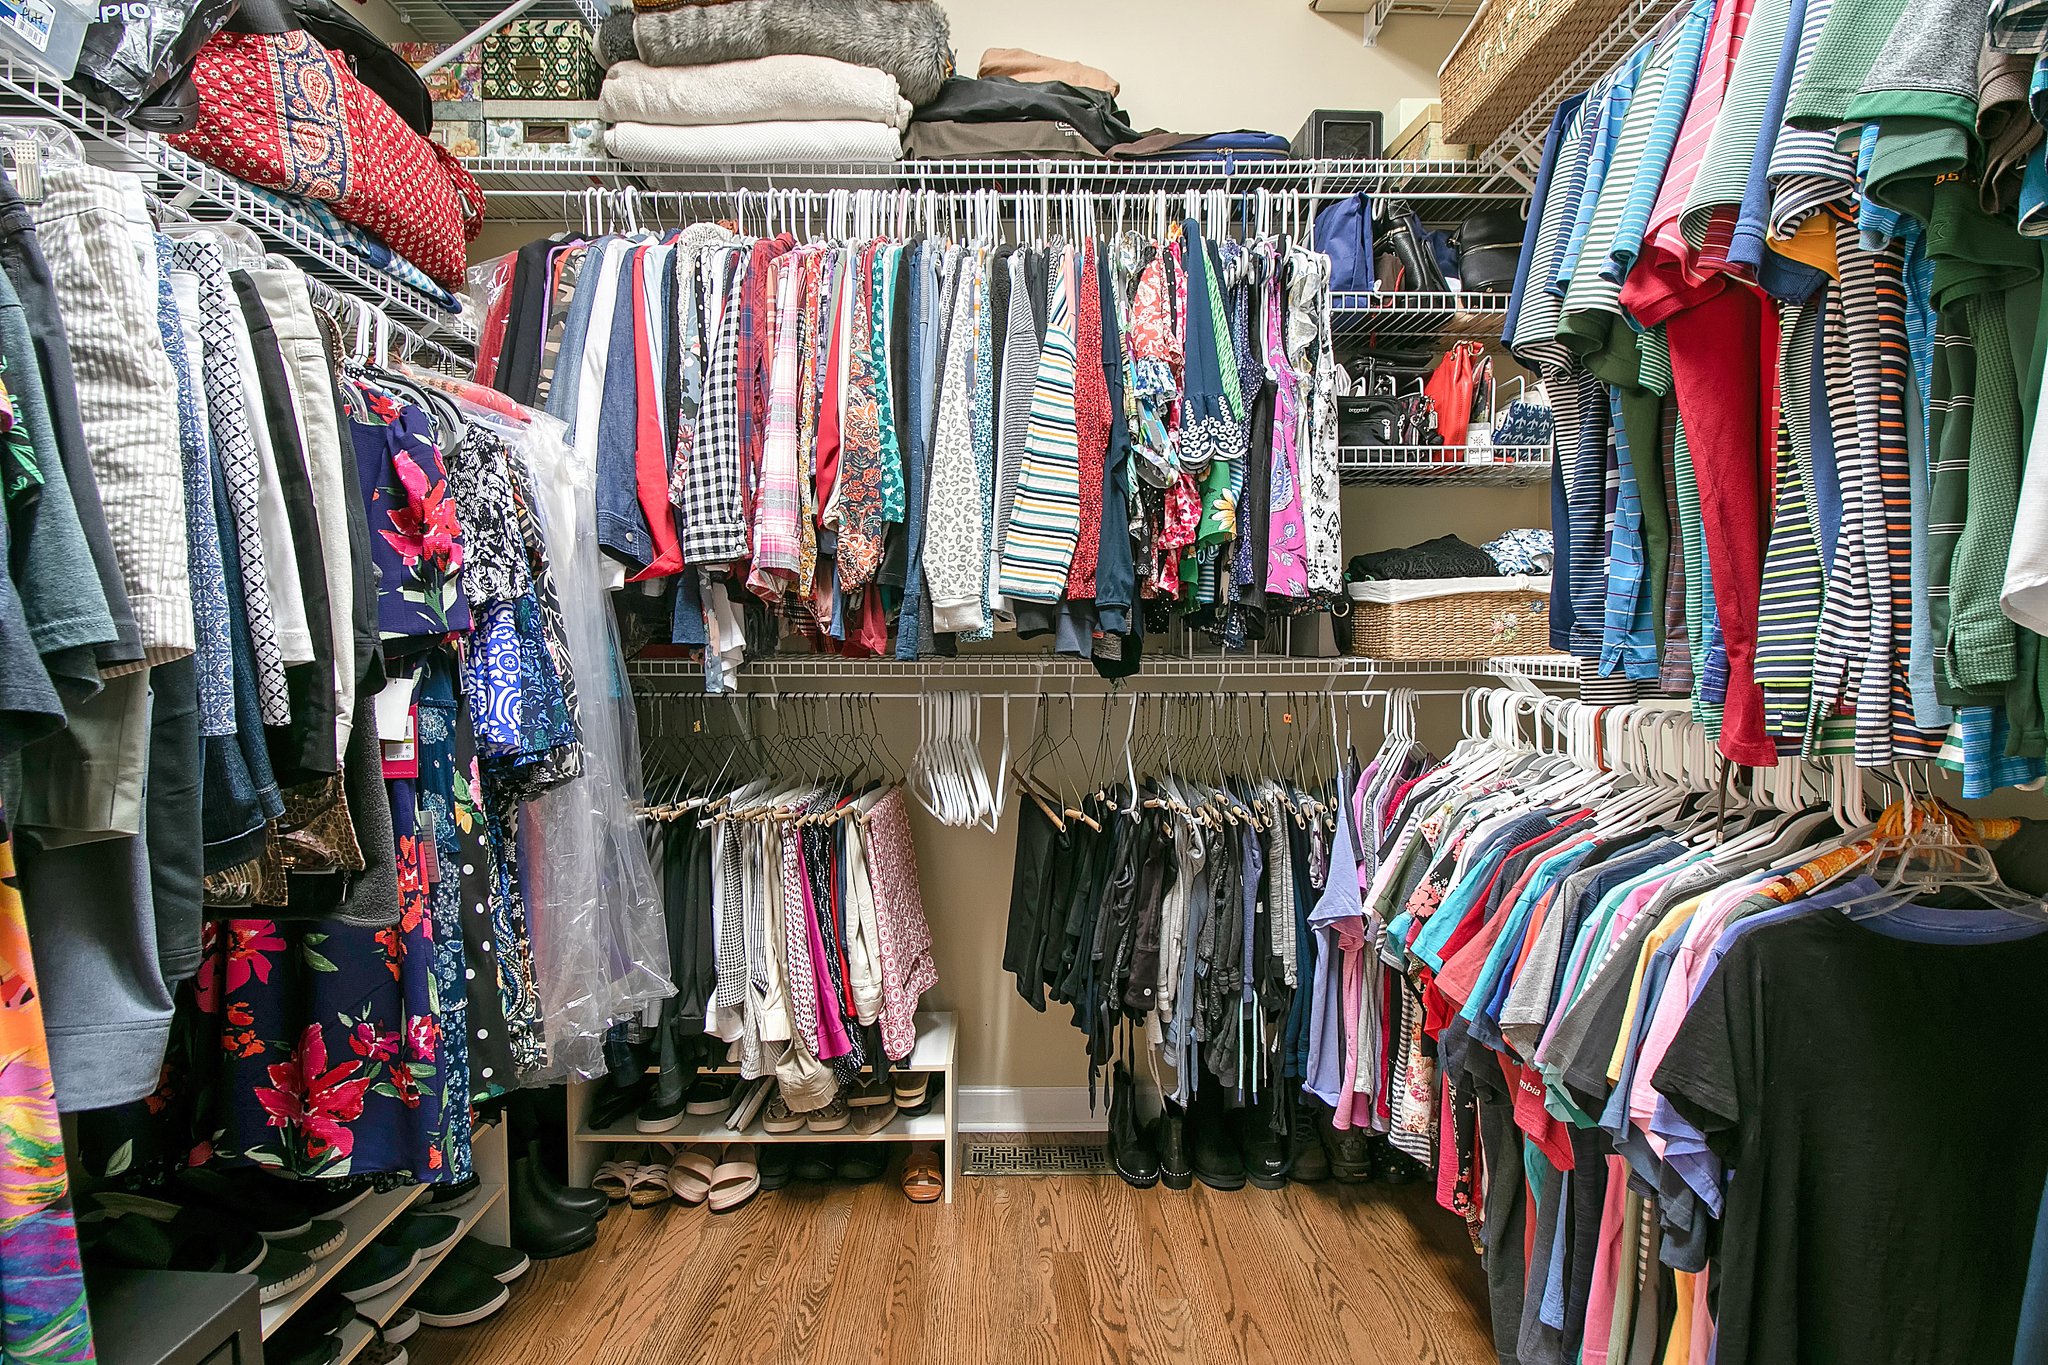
(600, 943)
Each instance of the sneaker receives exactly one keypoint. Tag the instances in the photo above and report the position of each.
(320, 1240)
(710, 1094)
(503, 1264)
(775, 1161)
(458, 1294)
(428, 1234)
(450, 1197)
(659, 1115)
(375, 1269)
(403, 1324)
(281, 1272)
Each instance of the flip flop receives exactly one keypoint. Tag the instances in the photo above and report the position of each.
(910, 1087)
(780, 1118)
(874, 1118)
(924, 1181)
(692, 1174)
(614, 1179)
(830, 1119)
(649, 1186)
(735, 1180)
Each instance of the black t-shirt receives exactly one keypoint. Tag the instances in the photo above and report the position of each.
(1880, 1107)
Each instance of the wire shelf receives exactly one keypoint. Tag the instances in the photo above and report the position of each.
(443, 21)
(1416, 466)
(203, 192)
(545, 189)
(1409, 314)
(1518, 150)
(870, 675)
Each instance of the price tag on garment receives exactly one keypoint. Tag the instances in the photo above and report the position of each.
(394, 710)
(430, 851)
(402, 757)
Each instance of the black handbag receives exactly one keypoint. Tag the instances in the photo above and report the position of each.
(1406, 263)
(1490, 247)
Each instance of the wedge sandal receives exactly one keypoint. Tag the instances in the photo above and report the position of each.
(649, 1186)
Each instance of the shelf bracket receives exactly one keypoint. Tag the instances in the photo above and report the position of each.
(475, 36)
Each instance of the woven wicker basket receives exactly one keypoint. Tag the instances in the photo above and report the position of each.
(1466, 625)
(1509, 56)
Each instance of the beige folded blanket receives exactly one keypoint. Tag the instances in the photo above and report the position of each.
(790, 88)
(778, 143)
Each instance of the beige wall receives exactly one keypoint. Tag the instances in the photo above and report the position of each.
(1205, 65)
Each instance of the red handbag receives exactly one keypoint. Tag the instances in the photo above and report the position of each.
(283, 112)
(1451, 389)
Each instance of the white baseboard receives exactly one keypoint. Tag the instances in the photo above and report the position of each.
(1037, 1109)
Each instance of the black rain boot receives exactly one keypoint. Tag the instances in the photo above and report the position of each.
(1265, 1151)
(1211, 1143)
(590, 1203)
(542, 1228)
(1174, 1171)
(1130, 1149)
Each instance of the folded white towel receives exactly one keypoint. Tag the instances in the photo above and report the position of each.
(761, 90)
(779, 143)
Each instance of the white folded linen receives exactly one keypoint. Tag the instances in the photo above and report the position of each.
(761, 90)
(777, 143)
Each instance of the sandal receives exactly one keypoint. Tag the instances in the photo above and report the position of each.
(868, 1091)
(874, 1118)
(690, 1175)
(910, 1088)
(735, 1180)
(778, 1117)
(649, 1186)
(924, 1180)
(614, 1179)
(830, 1119)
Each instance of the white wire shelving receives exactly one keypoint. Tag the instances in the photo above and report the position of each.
(205, 193)
(549, 189)
(1222, 671)
(443, 21)
(1395, 314)
(1420, 466)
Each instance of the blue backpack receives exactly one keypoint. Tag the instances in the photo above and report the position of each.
(1344, 234)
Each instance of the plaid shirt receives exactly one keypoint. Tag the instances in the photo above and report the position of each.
(713, 502)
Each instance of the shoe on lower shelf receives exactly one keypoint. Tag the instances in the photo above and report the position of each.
(710, 1093)
(458, 1294)
(428, 1234)
(384, 1351)
(873, 1118)
(818, 1162)
(870, 1090)
(281, 1272)
(661, 1113)
(776, 1159)
(503, 1264)
(830, 1119)
(778, 1117)
(403, 1324)
(319, 1241)
(452, 1196)
(374, 1270)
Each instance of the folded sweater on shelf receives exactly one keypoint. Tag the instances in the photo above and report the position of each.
(906, 38)
(788, 88)
(779, 142)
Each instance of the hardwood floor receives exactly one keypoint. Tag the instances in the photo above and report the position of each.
(1052, 1270)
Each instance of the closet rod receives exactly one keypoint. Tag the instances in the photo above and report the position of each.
(1361, 695)
(334, 301)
